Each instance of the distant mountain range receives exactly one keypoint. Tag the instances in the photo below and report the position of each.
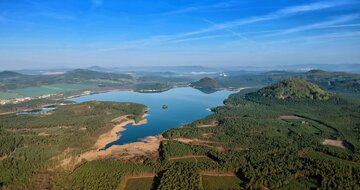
(352, 68)
(13, 80)
(196, 70)
(333, 81)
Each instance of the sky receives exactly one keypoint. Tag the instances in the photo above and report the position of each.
(214, 33)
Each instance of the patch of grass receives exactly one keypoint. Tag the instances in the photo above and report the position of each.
(301, 184)
(139, 184)
(220, 182)
(53, 89)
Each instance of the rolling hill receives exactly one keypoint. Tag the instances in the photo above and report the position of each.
(207, 83)
(294, 88)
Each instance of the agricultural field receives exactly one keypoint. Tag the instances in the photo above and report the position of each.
(144, 183)
(220, 182)
(53, 89)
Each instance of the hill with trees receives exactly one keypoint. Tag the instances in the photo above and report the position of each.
(207, 83)
(338, 82)
(294, 88)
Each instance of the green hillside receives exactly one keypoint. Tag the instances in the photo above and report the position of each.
(207, 83)
(338, 82)
(275, 143)
(334, 81)
(294, 88)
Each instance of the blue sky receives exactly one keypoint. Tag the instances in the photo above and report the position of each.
(67, 33)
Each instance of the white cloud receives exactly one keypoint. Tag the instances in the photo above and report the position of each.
(278, 14)
(319, 25)
(313, 7)
(194, 8)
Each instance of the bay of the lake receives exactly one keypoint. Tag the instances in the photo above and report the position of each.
(184, 105)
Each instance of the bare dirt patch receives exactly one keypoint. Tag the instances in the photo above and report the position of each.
(206, 135)
(213, 124)
(188, 157)
(289, 117)
(193, 141)
(43, 134)
(336, 143)
(40, 181)
(220, 149)
(217, 173)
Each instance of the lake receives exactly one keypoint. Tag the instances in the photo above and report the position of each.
(40, 111)
(184, 106)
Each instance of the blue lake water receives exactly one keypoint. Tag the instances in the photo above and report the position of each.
(184, 106)
(37, 111)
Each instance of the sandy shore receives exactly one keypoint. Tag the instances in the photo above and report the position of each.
(148, 146)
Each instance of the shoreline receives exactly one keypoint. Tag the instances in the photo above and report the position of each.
(113, 134)
(97, 151)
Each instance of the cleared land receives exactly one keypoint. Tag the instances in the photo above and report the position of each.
(195, 157)
(53, 89)
(141, 182)
(290, 117)
(337, 143)
(220, 181)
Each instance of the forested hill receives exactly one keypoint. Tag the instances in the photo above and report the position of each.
(294, 88)
(207, 83)
(83, 74)
(13, 80)
(9, 74)
(300, 142)
(332, 81)
(335, 81)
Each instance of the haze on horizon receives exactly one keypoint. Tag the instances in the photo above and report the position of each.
(45, 34)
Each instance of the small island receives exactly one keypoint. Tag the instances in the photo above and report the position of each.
(164, 106)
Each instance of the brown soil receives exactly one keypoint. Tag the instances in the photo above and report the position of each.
(213, 124)
(43, 134)
(193, 141)
(337, 143)
(217, 173)
(187, 156)
(40, 181)
(289, 117)
(149, 146)
(206, 135)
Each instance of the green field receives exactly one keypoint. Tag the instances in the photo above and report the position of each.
(139, 184)
(220, 182)
(53, 89)
(301, 184)
(46, 89)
